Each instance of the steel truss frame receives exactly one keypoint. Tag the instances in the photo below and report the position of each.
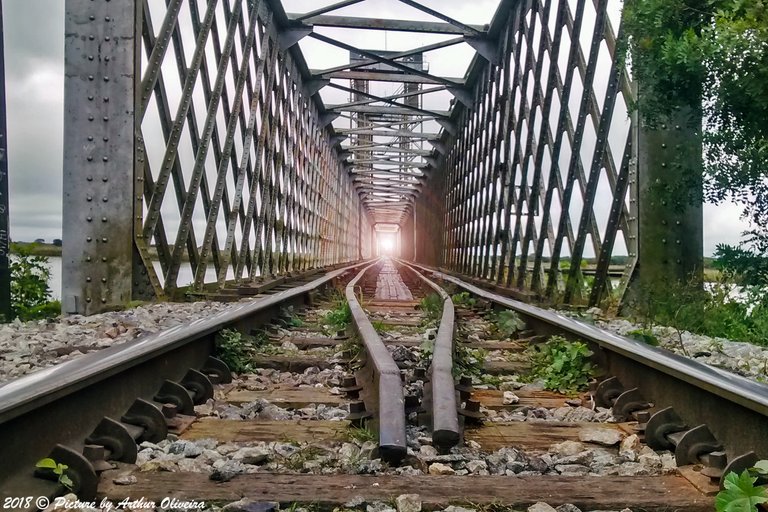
(211, 142)
(521, 175)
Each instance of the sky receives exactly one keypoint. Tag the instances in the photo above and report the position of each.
(34, 58)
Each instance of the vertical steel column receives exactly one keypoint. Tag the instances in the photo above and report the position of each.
(5, 271)
(99, 97)
(670, 231)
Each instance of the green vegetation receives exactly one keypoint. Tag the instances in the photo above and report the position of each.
(58, 470)
(304, 454)
(30, 294)
(564, 365)
(713, 313)
(506, 322)
(35, 249)
(469, 361)
(711, 58)
(237, 349)
(289, 317)
(432, 306)
(380, 326)
(361, 434)
(644, 335)
(740, 493)
(340, 316)
(463, 300)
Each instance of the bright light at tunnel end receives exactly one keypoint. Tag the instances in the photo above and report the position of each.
(386, 244)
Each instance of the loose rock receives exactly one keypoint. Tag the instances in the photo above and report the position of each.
(440, 469)
(541, 507)
(408, 503)
(603, 436)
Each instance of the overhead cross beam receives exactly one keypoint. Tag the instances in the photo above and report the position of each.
(400, 55)
(381, 76)
(430, 27)
(398, 65)
(394, 133)
(374, 98)
(435, 113)
(400, 109)
(387, 148)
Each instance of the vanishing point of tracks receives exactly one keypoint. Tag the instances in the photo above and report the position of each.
(417, 396)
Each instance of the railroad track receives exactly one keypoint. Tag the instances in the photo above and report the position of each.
(382, 388)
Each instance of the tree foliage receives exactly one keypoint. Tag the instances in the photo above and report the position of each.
(710, 56)
(30, 294)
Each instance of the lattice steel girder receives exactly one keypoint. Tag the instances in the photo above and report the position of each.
(431, 27)
(99, 154)
(378, 76)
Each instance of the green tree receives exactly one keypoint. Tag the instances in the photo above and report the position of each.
(30, 294)
(710, 55)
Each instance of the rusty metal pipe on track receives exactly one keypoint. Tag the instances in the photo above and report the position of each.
(384, 375)
(445, 419)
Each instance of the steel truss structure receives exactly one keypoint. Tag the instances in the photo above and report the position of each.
(199, 150)
(192, 138)
(549, 167)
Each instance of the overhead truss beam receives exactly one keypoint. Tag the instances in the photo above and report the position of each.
(430, 27)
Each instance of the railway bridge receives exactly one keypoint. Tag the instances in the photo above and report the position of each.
(216, 145)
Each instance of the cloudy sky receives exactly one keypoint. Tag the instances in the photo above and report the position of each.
(34, 56)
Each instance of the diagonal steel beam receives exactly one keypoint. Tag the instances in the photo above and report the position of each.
(435, 113)
(385, 60)
(431, 27)
(400, 55)
(420, 92)
(323, 10)
(473, 30)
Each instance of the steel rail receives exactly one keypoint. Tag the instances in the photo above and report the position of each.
(445, 419)
(384, 375)
(734, 408)
(75, 395)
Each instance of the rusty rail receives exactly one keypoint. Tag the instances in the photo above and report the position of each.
(382, 377)
(113, 396)
(445, 420)
(729, 412)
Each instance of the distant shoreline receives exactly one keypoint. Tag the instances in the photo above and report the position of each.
(50, 250)
(36, 248)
